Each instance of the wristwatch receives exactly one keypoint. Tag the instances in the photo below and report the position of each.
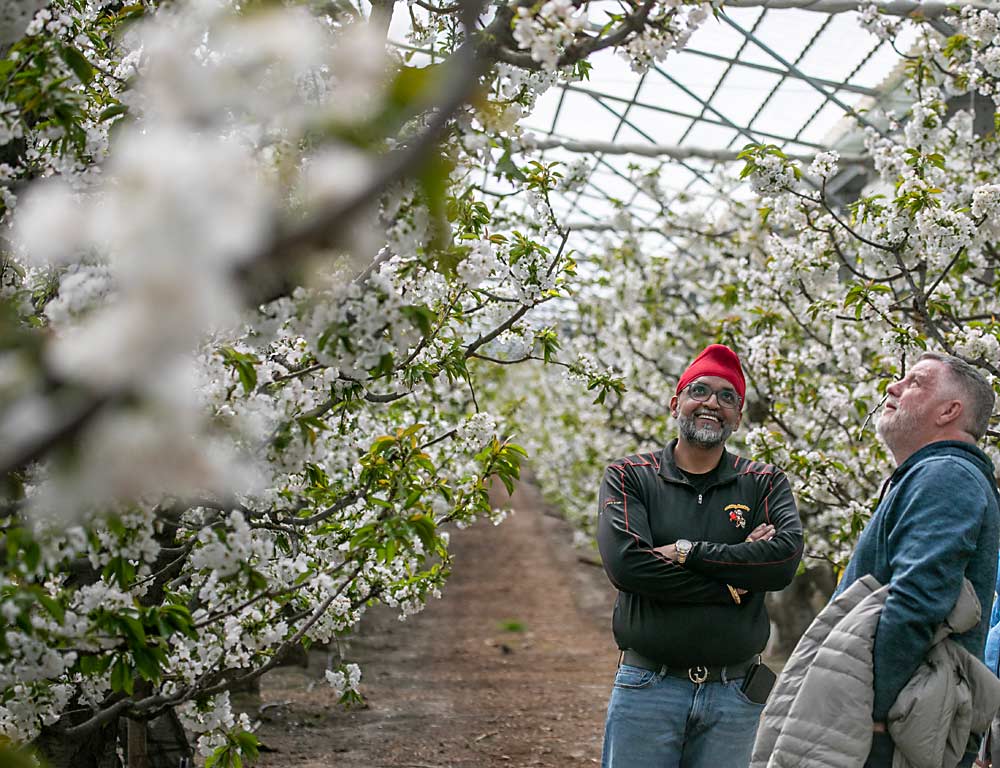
(683, 547)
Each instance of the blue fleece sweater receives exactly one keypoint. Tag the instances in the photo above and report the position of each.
(939, 521)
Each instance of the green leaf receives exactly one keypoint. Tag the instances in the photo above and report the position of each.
(413, 84)
(244, 366)
(54, 607)
(116, 526)
(505, 166)
(512, 625)
(425, 528)
(113, 111)
(32, 555)
(78, 63)
(146, 663)
(178, 618)
(364, 537)
(383, 444)
(310, 427)
(121, 570)
(434, 177)
(17, 757)
(954, 44)
(247, 742)
(385, 365)
(121, 676)
(421, 316)
(256, 581)
(94, 665)
(133, 630)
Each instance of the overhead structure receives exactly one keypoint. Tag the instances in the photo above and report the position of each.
(912, 8)
(803, 76)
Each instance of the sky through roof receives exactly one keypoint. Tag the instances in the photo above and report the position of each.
(786, 77)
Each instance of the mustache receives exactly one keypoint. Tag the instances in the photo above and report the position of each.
(871, 413)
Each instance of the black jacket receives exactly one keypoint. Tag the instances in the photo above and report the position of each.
(685, 615)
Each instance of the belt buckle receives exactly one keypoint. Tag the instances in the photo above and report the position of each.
(698, 674)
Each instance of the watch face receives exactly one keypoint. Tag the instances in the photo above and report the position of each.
(683, 546)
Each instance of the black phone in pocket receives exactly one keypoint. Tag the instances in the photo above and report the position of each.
(758, 683)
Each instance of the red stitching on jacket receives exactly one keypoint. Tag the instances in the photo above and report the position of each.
(619, 468)
(772, 473)
(749, 471)
(621, 477)
(770, 490)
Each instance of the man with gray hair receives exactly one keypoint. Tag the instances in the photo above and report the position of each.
(937, 522)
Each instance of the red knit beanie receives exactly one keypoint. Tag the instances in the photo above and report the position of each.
(716, 360)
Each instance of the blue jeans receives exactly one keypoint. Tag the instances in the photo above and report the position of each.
(669, 722)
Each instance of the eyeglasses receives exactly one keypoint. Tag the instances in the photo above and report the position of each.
(702, 393)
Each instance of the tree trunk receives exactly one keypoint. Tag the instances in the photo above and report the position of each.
(137, 749)
(96, 750)
(138, 756)
(793, 608)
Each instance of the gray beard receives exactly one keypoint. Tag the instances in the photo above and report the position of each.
(892, 428)
(706, 437)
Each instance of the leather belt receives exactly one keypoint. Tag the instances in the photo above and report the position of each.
(697, 674)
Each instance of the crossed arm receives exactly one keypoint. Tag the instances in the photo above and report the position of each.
(631, 561)
(760, 564)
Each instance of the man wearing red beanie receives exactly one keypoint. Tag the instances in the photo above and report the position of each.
(693, 536)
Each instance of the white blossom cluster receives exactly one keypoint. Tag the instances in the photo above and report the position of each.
(47, 21)
(223, 557)
(546, 31)
(772, 174)
(344, 679)
(575, 175)
(480, 264)
(824, 165)
(669, 27)
(925, 122)
(212, 722)
(985, 201)
(477, 429)
(943, 233)
(877, 23)
(55, 26)
(980, 24)
(977, 344)
(10, 127)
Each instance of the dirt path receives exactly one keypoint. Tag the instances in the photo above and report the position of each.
(512, 667)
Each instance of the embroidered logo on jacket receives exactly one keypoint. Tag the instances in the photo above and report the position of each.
(736, 514)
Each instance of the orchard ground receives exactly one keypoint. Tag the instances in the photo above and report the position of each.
(512, 667)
